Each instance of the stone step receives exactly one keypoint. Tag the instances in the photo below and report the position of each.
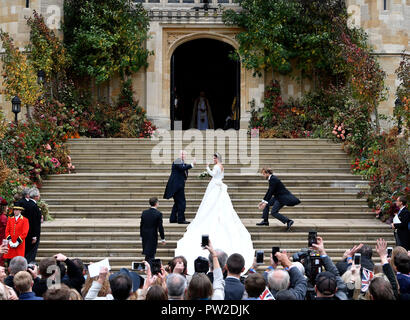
(273, 161)
(108, 200)
(263, 158)
(114, 165)
(222, 144)
(198, 191)
(79, 235)
(296, 152)
(107, 169)
(136, 245)
(229, 178)
(97, 209)
(193, 184)
(202, 152)
(190, 214)
(139, 142)
(146, 194)
(248, 214)
(75, 224)
(167, 205)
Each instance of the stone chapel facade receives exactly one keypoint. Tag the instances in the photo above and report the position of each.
(178, 26)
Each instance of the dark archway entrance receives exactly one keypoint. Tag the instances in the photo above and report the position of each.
(204, 64)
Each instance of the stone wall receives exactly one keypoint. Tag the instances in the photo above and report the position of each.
(387, 22)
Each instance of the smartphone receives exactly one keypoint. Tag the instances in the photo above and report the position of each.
(31, 266)
(389, 251)
(155, 266)
(312, 238)
(138, 266)
(357, 258)
(205, 240)
(259, 256)
(274, 250)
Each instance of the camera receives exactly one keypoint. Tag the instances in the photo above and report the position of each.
(274, 250)
(301, 256)
(259, 256)
(357, 258)
(205, 240)
(311, 261)
(155, 266)
(316, 266)
(312, 238)
(138, 266)
(389, 251)
(201, 265)
(31, 266)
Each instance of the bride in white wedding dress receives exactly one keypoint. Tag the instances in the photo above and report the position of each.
(217, 218)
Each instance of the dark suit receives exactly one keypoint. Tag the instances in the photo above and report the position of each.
(297, 285)
(278, 196)
(234, 289)
(402, 231)
(176, 189)
(151, 223)
(23, 202)
(33, 214)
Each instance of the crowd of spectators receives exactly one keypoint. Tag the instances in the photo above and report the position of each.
(307, 275)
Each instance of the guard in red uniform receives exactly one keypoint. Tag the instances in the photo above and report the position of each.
(16, 232)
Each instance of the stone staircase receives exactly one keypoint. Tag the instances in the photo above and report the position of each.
(97, 209)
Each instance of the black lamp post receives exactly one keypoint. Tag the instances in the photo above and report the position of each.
(41, 76)
(397, 105)
(15, 106)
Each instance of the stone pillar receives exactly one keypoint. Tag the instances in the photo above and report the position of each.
(252, 88)
(157, 112)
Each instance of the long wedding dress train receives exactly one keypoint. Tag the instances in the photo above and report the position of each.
(217, 218)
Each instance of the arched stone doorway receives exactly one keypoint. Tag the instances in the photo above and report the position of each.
(204, 64)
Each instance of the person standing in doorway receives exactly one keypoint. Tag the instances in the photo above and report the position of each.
(202, 116)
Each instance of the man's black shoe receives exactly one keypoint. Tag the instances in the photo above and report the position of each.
(172, 221)
(184, 222)
(289, 224)
(263, 223)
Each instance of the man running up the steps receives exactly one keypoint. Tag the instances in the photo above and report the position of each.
(277, 196)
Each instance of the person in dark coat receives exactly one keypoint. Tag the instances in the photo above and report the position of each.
(24, 198)
(277, 196)
(151, 224)
(33, 213)
(401, 224)
(234, 288)
(176, 189)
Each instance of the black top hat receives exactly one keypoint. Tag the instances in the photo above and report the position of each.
(136, 279)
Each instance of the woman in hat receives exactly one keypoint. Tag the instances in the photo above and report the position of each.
(16, 232)
(3, 224)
